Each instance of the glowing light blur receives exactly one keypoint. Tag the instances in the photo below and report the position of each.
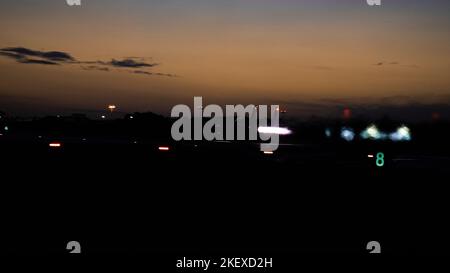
(347, 113)
(402, 134)
(274, 130)
(347, 134)
(112, 107)
(372, 132)
(268, 153)
(55, 145)
(163, 148)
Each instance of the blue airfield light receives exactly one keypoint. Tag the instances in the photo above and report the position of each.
(347, 134)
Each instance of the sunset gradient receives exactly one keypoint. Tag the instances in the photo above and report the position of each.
(234, 52)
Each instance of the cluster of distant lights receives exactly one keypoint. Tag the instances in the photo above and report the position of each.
(402, 133)
(59, 145)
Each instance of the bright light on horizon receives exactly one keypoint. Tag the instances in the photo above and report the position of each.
(274, 130)
(112, 107)
(347, 133)
(402, 134)
(372, 132)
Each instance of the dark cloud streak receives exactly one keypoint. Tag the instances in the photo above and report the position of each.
(130, 63)
(96, 68)
(395, 63)
(30, 56)
(152, 74)
(24, 60)
(56, 56)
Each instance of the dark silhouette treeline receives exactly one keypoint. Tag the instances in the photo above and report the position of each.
(150, 126)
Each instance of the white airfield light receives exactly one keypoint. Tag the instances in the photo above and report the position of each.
(112, 107)
(164, 148)
(372, 132)
(55, 145)
(402, 134)
(274, 130)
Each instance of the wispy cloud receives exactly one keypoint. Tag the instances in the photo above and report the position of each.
(96, 68)
(29, 56)
(131, 63)
(396, 64)
(153, 74)
(25, 55)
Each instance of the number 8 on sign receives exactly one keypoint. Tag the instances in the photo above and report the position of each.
(380, 159)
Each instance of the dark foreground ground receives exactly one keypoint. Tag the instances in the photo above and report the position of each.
(223, 199)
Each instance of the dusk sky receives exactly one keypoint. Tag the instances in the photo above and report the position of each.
(146, 55)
